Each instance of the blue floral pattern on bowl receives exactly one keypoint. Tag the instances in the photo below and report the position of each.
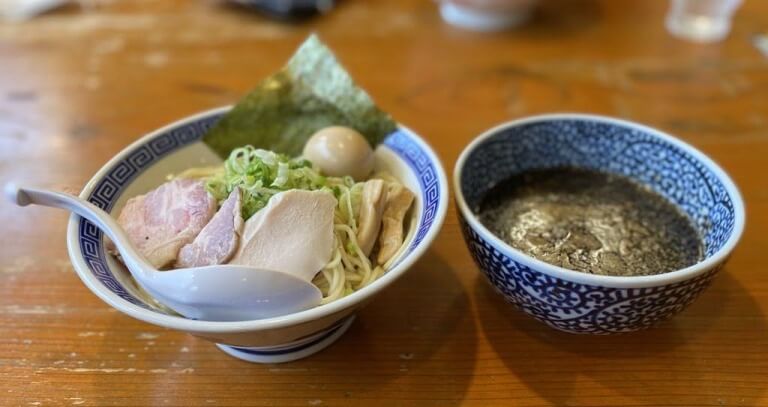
(589, 142)
(580, 308)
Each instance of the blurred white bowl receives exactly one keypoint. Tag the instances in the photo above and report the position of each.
(486, 15)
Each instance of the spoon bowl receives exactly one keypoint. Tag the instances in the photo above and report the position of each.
(212, 293)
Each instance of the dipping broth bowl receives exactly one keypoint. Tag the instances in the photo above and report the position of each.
(145, 164)
(584, 303)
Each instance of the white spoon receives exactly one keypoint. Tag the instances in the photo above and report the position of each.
(213, 293)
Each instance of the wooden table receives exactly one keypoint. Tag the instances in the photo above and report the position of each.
(78, 86)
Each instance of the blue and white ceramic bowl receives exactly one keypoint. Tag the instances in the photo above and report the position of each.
(577, 302)
(144, 165)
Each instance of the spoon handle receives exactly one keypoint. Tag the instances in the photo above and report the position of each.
(23, 196)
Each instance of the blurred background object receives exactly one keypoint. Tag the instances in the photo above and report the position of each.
(19, 10)
(486, 15)
(701, 20)
(761, 43)
(289, 9)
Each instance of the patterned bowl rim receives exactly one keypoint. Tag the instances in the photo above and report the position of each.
(312, 314)
(592, 279)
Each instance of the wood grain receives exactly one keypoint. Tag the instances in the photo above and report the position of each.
(77, 86)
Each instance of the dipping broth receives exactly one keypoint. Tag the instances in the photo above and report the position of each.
(592, 222)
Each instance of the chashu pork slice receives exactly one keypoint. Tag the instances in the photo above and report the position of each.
(165, 219)
(218, 240)
(292, 234)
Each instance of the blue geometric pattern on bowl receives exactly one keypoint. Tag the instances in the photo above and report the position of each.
(671, 171)
(297, 345)
(109, 189)
(425, 170)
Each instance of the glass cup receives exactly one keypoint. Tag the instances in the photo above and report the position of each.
(701, 20)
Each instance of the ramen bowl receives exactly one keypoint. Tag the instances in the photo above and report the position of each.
(146, 163)
(584, 303)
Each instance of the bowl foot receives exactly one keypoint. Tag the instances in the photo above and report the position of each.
(291, 351)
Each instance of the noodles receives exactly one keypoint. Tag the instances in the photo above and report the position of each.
(349, 269)
(198, 173)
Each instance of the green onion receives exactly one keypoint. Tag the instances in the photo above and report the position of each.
(261, 174)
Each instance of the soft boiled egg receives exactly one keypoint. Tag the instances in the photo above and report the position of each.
(340, 151)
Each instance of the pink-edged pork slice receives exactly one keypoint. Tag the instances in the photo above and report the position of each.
(218, 240)
(167, 218)
(292, 234)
